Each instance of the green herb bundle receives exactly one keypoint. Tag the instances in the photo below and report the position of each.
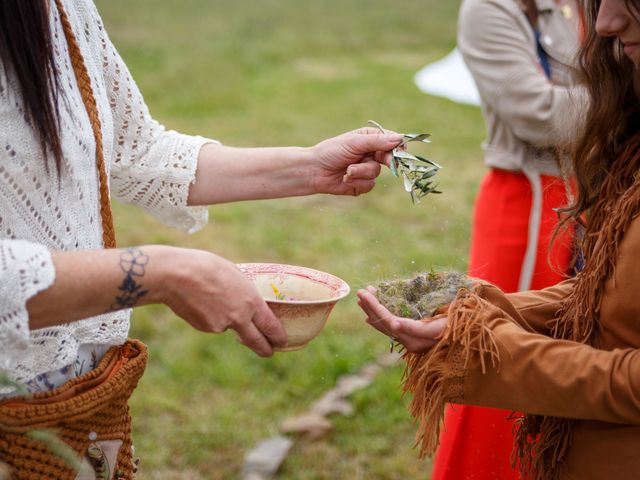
(416, 171)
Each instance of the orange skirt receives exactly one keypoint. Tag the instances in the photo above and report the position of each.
(476, 442)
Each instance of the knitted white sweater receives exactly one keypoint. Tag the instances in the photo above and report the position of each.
(39, 212)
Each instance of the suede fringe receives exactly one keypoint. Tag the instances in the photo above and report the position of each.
(542, 443)
(433, 378)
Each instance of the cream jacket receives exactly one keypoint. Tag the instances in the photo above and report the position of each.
(524, 111)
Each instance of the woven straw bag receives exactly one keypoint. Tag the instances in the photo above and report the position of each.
(89, 413)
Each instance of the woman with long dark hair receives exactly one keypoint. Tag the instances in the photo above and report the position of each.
(522, 55)
(76, 131)
(567, 356)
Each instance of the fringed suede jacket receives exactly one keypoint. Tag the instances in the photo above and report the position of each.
(567, 356)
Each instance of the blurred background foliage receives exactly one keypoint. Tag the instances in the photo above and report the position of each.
(289, 72)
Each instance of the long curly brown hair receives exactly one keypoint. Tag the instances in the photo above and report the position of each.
(613, 115)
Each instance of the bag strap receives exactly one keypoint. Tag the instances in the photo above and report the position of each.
(84, 85)
(543, 58)
(530, 9)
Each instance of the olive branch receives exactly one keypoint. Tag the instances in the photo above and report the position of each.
(416, 171)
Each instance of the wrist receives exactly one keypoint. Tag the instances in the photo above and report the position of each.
(306, 160)
(161, 272)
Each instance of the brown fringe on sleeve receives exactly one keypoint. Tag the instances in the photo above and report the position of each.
(542, 443)
(436, 377)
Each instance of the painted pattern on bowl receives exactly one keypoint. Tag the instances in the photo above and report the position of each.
(307, 297)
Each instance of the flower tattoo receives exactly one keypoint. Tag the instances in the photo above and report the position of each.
(132, 263)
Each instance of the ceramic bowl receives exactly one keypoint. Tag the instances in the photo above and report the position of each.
(302, 298)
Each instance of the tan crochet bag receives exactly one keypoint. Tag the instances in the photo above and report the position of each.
(90, 413)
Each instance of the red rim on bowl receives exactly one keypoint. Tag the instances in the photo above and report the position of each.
(339, 287)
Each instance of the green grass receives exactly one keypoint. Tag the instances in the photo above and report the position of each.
(289, 72)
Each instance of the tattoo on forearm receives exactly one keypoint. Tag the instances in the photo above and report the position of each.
(132, 263)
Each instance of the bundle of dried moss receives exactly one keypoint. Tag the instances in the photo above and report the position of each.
(435, 377)
(424, 295)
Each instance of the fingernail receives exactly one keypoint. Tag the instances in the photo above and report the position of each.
(394, 137)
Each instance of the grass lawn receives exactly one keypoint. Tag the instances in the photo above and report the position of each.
(290, 72)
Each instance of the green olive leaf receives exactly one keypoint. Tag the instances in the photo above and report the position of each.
(414, 170)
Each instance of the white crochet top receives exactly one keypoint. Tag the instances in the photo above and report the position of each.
(39, 212)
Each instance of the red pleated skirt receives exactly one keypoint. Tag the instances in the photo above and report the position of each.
(476, 442)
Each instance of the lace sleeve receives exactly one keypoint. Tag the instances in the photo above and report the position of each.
(151, 167)
(26, 268)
